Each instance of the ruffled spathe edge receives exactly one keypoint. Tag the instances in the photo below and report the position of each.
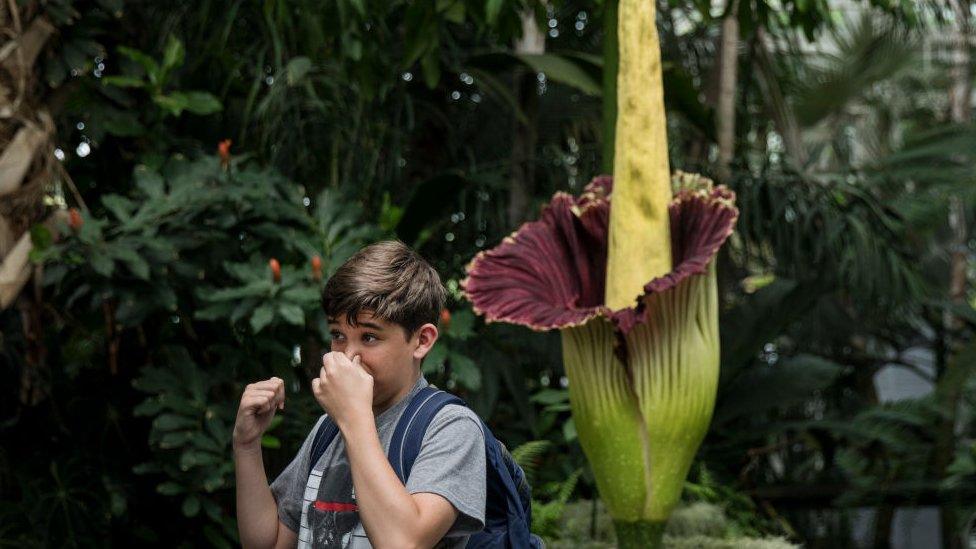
(551, 273)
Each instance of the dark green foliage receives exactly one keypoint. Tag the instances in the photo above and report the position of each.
(346, 129)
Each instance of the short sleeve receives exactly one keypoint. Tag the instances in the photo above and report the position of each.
(451, 464)
(289, 488)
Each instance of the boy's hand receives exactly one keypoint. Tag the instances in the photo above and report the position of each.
(344, 389)
(258, 405)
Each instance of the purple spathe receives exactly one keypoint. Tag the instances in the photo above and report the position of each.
(551, 273)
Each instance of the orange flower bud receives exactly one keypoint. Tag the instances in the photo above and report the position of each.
(445, 318)
(74, 219)
(275, 269)
(317, 267)
(223, 150)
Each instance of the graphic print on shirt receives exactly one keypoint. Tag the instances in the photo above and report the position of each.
(333, 518)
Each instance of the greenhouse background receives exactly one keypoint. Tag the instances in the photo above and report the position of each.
(158, 157)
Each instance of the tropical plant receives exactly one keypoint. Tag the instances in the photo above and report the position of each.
(629, 366)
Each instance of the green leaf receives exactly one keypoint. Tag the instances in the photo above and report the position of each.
(147, 468)
(455, 13)
(434, 359)
(301, 294)
(123, 81)
(560, 69)
(170, 488)
(174, 53)
(148, 63)
(120, 206)
(102, 264)
(175, 439)
(296, 69)
(136, 263)
(123, 124)
(148, 407)
(352, 46)
(174, 104)
(360, 6)
(41, 237)
(431, 66)
(191, 506)
(270, 441)
(172, 422)
(262, 317)
(197, 102)
(149, 182)
(569, 430)
(462, 324)
(192, 458)
(492, 9)
(202, 103)
(465, 371)
(292, 314)
(551, 396)
(117, 504)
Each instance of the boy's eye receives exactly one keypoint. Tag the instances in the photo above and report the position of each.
(336, 335)
(368, 338)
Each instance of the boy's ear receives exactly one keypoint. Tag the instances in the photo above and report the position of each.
(426, 337)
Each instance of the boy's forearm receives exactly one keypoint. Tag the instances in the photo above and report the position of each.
(257, 512)
(388, 512)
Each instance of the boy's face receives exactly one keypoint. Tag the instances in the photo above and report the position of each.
(384, 351)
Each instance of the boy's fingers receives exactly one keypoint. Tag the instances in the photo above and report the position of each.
(358, 363)
(280, 393)
(264, 393)
(257, 403)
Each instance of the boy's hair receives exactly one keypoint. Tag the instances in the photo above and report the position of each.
(391, 281)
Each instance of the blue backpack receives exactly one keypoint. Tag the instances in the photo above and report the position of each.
(508, 508)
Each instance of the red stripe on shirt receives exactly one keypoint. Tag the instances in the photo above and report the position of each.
(335, 506)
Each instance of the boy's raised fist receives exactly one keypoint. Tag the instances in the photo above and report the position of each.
(258, 405)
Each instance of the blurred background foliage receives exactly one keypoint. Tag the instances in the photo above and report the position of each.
(199, 141)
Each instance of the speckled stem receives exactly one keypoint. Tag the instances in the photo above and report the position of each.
(639, 535)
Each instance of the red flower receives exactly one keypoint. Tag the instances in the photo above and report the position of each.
(74, 219)
(551, 273)
(275, 269)
(445, 318)
(316, 267)
(223, 150)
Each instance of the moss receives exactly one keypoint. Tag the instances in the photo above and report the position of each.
(706, 542)
(698, 526)
(698, 519)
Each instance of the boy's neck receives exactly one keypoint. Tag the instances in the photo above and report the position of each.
(381, 407)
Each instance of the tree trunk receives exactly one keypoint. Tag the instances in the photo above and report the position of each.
(26, 129)
(522, 182)
(27, 170)
(727, 79)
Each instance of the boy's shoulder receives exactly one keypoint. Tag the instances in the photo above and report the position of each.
(455, 414)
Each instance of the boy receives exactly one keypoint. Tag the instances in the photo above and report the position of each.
(382, 306)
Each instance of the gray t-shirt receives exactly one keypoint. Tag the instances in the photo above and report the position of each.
(321, 507)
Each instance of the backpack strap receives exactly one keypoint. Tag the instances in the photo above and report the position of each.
(324, 436)
(412, 426)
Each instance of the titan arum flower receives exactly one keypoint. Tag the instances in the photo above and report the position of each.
(626, 273)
